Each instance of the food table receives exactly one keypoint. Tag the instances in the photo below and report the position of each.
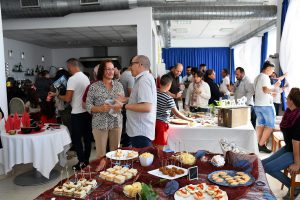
(43, 149)
(110, 190)
(191, 139)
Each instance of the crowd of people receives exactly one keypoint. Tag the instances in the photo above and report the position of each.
(129, 109)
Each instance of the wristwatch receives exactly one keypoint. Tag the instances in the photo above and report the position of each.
(123, 107)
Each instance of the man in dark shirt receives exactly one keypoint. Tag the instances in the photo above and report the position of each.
(175, 87)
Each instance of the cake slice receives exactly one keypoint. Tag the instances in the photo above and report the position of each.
(79, 193)
(119, 179)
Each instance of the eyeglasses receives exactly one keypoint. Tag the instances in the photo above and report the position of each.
(110, 69)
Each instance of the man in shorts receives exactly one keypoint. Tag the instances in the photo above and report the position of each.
(264, 107)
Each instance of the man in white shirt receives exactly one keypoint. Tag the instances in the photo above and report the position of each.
(224, 87)
(264, 107)
(80, 118)
(141, 106)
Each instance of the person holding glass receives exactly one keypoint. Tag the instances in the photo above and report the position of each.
(106, 123)
(198, 94)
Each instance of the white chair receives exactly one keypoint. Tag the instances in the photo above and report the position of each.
(16, 105)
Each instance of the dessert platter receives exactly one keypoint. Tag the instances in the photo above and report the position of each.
(118, 174)
(122, 154)
(169, 172)
(231, 178)
(77, 188)
(200, 191)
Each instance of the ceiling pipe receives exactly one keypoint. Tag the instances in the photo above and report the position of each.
(165, 32)
(214, 13)
(162, 9)
(254, 33)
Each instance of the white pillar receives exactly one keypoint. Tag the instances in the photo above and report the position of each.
(3, 95)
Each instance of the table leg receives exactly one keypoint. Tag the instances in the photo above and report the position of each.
(33, 177)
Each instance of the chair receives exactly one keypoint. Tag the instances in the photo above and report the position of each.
(294, 183)
(16, 105)
(277, 137)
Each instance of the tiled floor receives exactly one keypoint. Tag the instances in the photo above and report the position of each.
(10, 191)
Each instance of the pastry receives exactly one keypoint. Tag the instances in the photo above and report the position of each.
(132, 154)
(133, 171)
(117, 167)
(201, 186)
(86, 187)
(198, 195)
(183, 193)
(127, 175)
(234, 183)
(191, 188)
(110, 177)
(79, 193)
(81, 181)
(77, 185)
(111, 170)
(242, 182)
(68, 191)
(219, 180)
(240, 173)
(92, 182)
(68, 184)
(58, 190)
(119, 153)
(119, 179)
(103, 175)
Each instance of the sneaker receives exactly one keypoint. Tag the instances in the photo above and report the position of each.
(264, 148)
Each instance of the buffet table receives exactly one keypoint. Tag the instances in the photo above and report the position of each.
(191, 139)
(108, 190)
(43, 149)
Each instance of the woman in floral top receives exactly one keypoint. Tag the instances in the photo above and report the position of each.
(107, 124)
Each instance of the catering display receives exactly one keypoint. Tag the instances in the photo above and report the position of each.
(162, 178)
(146, 159)
(231, 178)
(200, 191)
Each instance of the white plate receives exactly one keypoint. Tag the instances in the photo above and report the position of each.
(112, 154)
(206, 197)
(158, 173)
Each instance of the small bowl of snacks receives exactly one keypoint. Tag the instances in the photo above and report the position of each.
(146, 159)
(12, 132)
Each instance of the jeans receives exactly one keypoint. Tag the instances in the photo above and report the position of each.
(140, 142)
(81, 126)
(280, 160)
(125, 139)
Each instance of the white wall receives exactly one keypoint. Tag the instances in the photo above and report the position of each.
(3, 96)
(33, 57)
(60, 56)
(142, 17)
(125, 52)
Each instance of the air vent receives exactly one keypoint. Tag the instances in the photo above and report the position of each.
(30, 3)
(88, 2)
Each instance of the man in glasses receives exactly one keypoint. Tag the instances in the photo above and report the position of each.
(243, 87)
(141, 105)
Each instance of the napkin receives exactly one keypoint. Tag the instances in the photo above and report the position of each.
(171, 187)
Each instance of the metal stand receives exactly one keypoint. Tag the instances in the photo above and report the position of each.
(33, 177)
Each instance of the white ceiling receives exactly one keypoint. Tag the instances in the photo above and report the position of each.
(77, 37)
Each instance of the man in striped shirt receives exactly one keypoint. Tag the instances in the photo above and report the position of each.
(165, 105)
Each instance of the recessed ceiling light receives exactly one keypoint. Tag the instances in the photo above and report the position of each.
(181, 30)
(218, 36)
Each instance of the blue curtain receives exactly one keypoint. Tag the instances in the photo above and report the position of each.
(264, 49)
(214, 58)
(232, 68)
(285, 5)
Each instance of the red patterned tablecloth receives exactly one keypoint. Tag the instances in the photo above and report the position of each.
(108, 190)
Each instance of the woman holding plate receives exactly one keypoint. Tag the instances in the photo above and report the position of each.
(106, 123)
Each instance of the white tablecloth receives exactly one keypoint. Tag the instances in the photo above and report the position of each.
(44, 150)
(191, 139)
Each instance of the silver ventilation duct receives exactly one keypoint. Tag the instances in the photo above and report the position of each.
(162, 9)
(57, 8)
(165, 32)
(214, 13)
